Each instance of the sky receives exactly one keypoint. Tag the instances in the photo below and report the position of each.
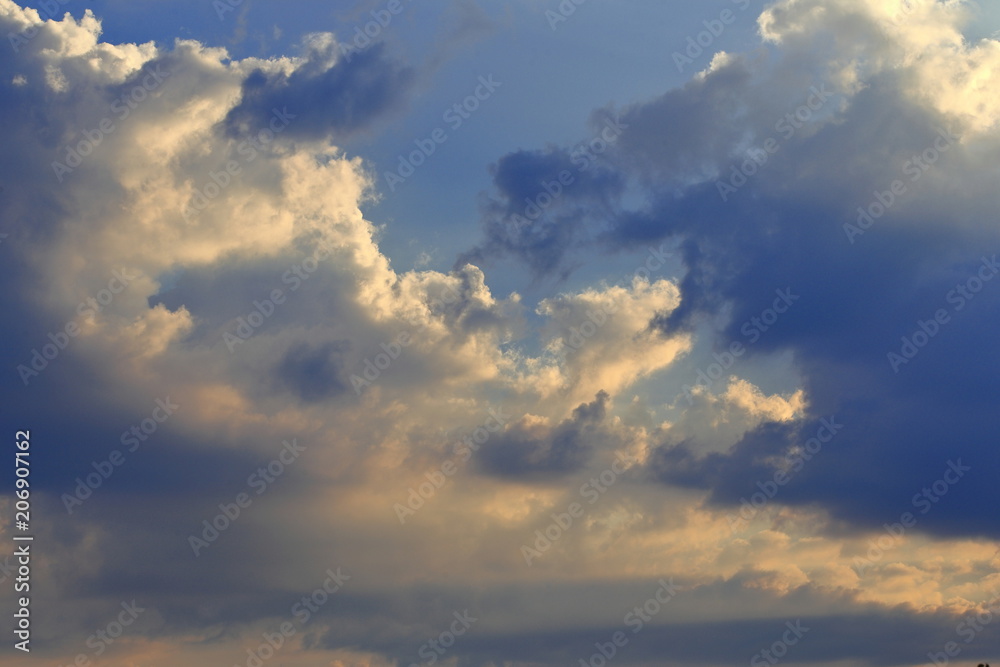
(467, 333)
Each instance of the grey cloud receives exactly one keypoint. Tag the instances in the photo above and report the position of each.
(326, 95)
(532, 451)
(315, 373)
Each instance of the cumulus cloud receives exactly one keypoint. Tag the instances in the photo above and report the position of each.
(776, 170)
(256, 296)
(250, 291)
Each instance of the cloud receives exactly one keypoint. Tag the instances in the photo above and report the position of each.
(315, 373)
(328, 94)
(531, 447)
(761, 168)
(601, 338)
(543, 202)
(282, 234)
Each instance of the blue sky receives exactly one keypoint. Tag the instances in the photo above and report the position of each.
(727, 396)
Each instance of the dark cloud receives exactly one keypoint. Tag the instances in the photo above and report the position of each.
(326, 95)
(876, 639)
(315, 373)
(544, 200)
(868, 635)
(784, 229)
(531, 451)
